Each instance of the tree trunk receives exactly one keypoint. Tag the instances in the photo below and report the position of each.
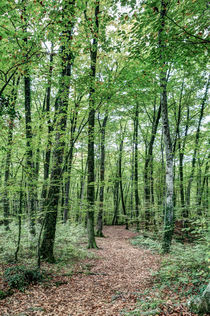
(197, 136)
(50, 129)
(91, 128)
(51, 202)
(9, 153)
(30, 168)
(136, 191)
(116, 199)
(168, 207)
(148, 167)
(102, 172)
(121, 186)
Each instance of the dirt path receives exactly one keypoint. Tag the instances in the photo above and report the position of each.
(109, 285)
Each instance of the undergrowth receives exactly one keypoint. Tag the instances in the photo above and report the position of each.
(183, 273)
(19, 277)
(69, 244)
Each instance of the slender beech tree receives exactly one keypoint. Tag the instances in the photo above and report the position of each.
(30, 167)
(99, 232)
(120, 178)
(197, 136)
(52, 200)
(12, 102)
(136, 126)
(168, 207)
(91, 128)
(148, 164)
(49, 127)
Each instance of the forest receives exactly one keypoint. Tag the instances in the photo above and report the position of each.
(104, 145)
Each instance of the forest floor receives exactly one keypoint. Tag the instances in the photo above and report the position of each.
(109, 284)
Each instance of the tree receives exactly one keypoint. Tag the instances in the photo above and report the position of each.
(51, 202)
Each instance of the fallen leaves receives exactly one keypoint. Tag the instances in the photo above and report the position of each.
(98, 287)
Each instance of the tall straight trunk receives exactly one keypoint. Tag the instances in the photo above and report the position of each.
(67, 183)
(136, 191)
(121, 185)
(148, 167)
(9, 154)
(116, 199)
(30, 167)
(197, 137)
(69, 157)
(205, 177)
(181, 148)
(49, 127)
(102, 173)
(168, 207)
(132, 182)
(91, 128)
(52, 200)
(82, 190)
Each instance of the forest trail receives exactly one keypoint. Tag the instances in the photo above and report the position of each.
(102, 286)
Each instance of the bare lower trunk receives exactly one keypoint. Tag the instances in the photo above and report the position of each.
(91, 128)
(168, 207)
(102, 173)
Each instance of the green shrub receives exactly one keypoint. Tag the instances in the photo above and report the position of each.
(147, 243)
(19, 277)
(183, 273)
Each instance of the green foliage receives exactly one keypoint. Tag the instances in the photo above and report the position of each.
(147, 243)
(69, 244)
(4, 294)
(183, 273)
(186, 268)
(19, 277)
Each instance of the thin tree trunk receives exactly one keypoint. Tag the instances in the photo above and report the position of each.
(116, 199)
(50, 129)
(30, 168)
(91, 128)
(197, 137)
(102, 173)
(147, 167)
(205, 176)
(9, 154)
(168, 209)
(136, 125)
(120, 183)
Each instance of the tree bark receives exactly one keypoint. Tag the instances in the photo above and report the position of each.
(30, 168)
(9, 152)
(51, 202)
(102, 173)
(168, 207)
(91, 128)
(197, 137)
(148, 165)
(121, 186)
(136, 125)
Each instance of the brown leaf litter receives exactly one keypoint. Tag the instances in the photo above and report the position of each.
(102, 286)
